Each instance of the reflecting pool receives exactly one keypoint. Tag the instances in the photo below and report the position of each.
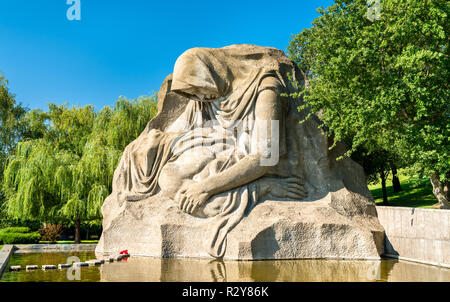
(156, 269)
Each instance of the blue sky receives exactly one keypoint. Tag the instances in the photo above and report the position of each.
(127, 47)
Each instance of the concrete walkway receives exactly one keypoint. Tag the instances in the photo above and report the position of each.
(5, 253)
(61, 247)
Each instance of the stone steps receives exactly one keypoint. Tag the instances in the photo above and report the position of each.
(15, 268)
(93, 262)
(79, 264)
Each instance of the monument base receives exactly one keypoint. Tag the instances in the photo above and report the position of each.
(342, 224)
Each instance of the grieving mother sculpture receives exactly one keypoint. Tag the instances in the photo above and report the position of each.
(226, 170)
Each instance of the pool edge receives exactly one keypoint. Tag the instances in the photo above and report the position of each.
(5, 254)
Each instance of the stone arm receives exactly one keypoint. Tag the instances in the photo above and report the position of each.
(268, 109)
(250, 168)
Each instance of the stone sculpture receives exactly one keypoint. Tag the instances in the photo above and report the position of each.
(226, 170)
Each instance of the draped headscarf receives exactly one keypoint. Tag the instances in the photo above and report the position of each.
(198, 68)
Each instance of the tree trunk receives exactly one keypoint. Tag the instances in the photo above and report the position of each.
(305, 78)
(395, 180)
(439, 191)
(77, 231)
(383, 188)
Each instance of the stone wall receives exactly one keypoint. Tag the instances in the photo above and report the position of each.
(42, 248)
(421, 235)
(5, 253)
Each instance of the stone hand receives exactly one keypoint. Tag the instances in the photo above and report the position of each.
(192, 197)
(290, 187)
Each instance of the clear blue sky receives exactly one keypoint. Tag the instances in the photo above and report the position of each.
(127, 47)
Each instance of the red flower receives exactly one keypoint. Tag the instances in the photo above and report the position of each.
(124, 252)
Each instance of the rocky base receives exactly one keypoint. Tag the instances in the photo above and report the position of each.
(340, 225)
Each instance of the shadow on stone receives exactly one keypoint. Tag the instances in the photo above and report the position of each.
(388, 248)
(265, 245)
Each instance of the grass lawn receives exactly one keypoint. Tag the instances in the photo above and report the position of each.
(61, 242)
(417, 193)
(69, 242)
(1, 246)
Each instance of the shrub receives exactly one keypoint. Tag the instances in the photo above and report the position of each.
(15, 230)
(51, 232)
(19, 238)
(32, 224)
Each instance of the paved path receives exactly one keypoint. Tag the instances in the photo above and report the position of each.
(39, 248)
(5, 253)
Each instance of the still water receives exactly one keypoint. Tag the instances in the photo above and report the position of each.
(155, 269)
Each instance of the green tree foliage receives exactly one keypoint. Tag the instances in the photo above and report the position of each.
(383, 83)
(11, 125)
(66, 172)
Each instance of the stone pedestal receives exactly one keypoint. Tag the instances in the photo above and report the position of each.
(342, 224)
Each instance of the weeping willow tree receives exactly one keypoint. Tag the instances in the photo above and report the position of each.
(68, 173)
(11, 124)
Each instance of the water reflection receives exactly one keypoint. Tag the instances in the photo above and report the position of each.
(152, 269)
(58, 275)
(156, 269)
(218, 271)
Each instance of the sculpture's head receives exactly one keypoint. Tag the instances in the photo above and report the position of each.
(200, 74)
